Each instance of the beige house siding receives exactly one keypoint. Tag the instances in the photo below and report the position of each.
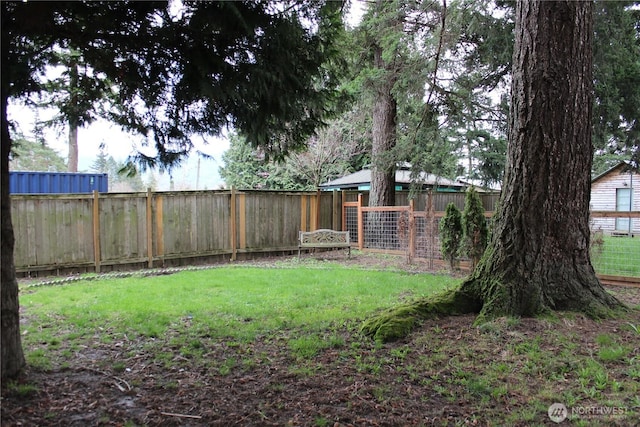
(603, 198)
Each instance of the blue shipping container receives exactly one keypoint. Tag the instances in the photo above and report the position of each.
(57, 182)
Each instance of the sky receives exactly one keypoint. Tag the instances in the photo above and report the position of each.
(195, 174)
(120, 145)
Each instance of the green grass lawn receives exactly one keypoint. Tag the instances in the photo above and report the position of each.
(617, 256)
(247, 345)
(237, 303)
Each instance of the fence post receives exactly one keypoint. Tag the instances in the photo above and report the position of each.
(343, 210)
(96, 230)
(335, 217)
(430, 228)
(412, 230)
(233, 224)
(160, 228)
(149, 228)
(303, 212)
(242, 221)
(360, 224)
(318, 206)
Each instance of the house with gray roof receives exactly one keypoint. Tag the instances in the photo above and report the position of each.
(361, 180)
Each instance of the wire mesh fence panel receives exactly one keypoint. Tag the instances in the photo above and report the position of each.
(351, 222)
(422, 247)
(427, 240)
(416, 233)
(615, 255)
(386, 230)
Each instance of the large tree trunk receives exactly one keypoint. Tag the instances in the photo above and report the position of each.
(384, 138)
(72, 160)
(538, 257)
(383, 169)
(12, 357)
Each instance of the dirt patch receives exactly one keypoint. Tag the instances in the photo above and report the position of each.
(446, 373)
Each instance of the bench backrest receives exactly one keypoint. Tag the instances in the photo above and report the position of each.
(324, 237)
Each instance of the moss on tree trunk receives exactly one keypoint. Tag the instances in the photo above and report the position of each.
(398, 321)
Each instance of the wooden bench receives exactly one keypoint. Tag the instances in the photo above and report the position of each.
(323, 238)
(620, 234)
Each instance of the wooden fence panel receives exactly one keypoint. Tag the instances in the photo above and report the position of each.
(272, 220)
(179, 224)
(74, 230)
(326, 211)
(52, 230)
(441, 200)
(256, 224)
(22, 216)
(123, 228)
(219, 215)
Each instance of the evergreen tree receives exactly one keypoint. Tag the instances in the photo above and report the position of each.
(425, 69)
(122, 178)
(488, 38)
(474, 225)
(101, 163)
(451, 234)
(34, 156)
(538, 257)
(616, 62)
(244, 167)
(385, 22)
(78, 94)
(268, 71)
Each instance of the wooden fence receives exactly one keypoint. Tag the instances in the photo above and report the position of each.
(64, 234)
(354, 209)
(100, 232)
(104, 232)
(404, 230)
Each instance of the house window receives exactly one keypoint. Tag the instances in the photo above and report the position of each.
(623, 204)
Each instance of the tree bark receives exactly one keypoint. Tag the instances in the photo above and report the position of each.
(11, 355)
(383, 170)
(538, 258)
(384, 139)
(72, 162)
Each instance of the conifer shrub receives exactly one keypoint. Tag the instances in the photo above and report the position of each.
(474, 225)
(451, 234)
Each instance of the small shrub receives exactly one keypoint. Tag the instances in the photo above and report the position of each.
(451, 234)
(474, 226)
